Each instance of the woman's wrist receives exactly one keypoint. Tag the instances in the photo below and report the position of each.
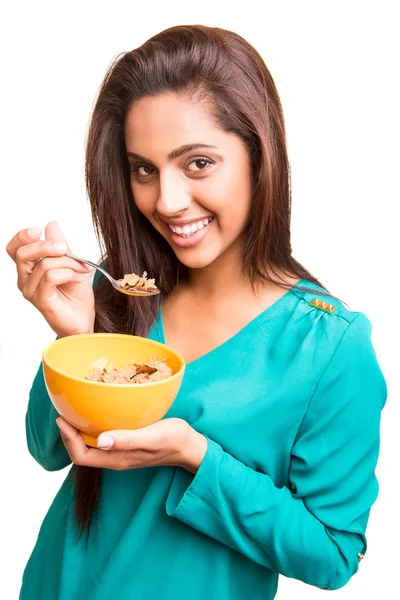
(193, 451)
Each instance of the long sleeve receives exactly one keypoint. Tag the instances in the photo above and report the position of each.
(42, 434)
(314, 528)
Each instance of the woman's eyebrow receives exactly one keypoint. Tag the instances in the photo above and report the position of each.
(175, 153)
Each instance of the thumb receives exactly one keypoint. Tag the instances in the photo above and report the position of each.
(105, 441)
(130, 439)
(54, 233)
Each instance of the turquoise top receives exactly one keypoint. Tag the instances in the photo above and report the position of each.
(291, 407)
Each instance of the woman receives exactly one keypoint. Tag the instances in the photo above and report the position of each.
(265, 462)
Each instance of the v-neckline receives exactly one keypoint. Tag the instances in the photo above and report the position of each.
(261, 316)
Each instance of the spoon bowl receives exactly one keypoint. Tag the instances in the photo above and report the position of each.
(117, 285)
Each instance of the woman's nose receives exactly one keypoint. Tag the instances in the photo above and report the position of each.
(174, 196)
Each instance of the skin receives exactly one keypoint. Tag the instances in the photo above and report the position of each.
(200, 183)
(171, 184)
(55, 284)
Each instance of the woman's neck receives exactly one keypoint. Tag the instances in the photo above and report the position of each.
(212, 284)
(224, 279)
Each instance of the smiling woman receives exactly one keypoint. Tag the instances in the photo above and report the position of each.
(265, 463)
(185, 195)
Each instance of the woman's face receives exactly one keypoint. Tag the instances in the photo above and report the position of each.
(190, 179)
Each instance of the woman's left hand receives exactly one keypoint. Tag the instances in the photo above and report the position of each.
(169, 442)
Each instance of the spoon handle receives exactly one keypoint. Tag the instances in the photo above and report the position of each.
(91, 264)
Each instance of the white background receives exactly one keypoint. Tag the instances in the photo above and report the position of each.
(336, 71)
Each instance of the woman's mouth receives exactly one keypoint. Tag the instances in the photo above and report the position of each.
(191, 234)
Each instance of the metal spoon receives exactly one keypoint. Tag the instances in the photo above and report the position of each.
(114, 282)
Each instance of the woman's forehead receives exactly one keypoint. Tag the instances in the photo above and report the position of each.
(169, 121)
(167, 111)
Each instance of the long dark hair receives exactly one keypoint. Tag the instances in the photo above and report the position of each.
(214, 66)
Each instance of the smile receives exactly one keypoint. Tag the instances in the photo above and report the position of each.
(190, 229)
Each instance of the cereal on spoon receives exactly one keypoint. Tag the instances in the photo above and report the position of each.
(135, 283)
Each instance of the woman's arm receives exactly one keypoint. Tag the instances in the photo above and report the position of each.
(313, 530)
(42, 434)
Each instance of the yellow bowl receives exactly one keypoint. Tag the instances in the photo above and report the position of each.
(93, 407)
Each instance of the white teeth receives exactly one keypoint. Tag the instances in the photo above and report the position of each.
(189, 230)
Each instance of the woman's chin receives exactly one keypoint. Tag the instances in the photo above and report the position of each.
(196, 260)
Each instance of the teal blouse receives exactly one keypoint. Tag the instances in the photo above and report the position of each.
(290, 406)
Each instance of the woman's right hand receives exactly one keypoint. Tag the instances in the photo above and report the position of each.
(58, 286)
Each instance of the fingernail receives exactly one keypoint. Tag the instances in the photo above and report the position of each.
(34, 231)
(105, 441)
(62, 246)
(81, 277)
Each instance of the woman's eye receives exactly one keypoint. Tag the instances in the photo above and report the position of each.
(199, 164)
(143, 170)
